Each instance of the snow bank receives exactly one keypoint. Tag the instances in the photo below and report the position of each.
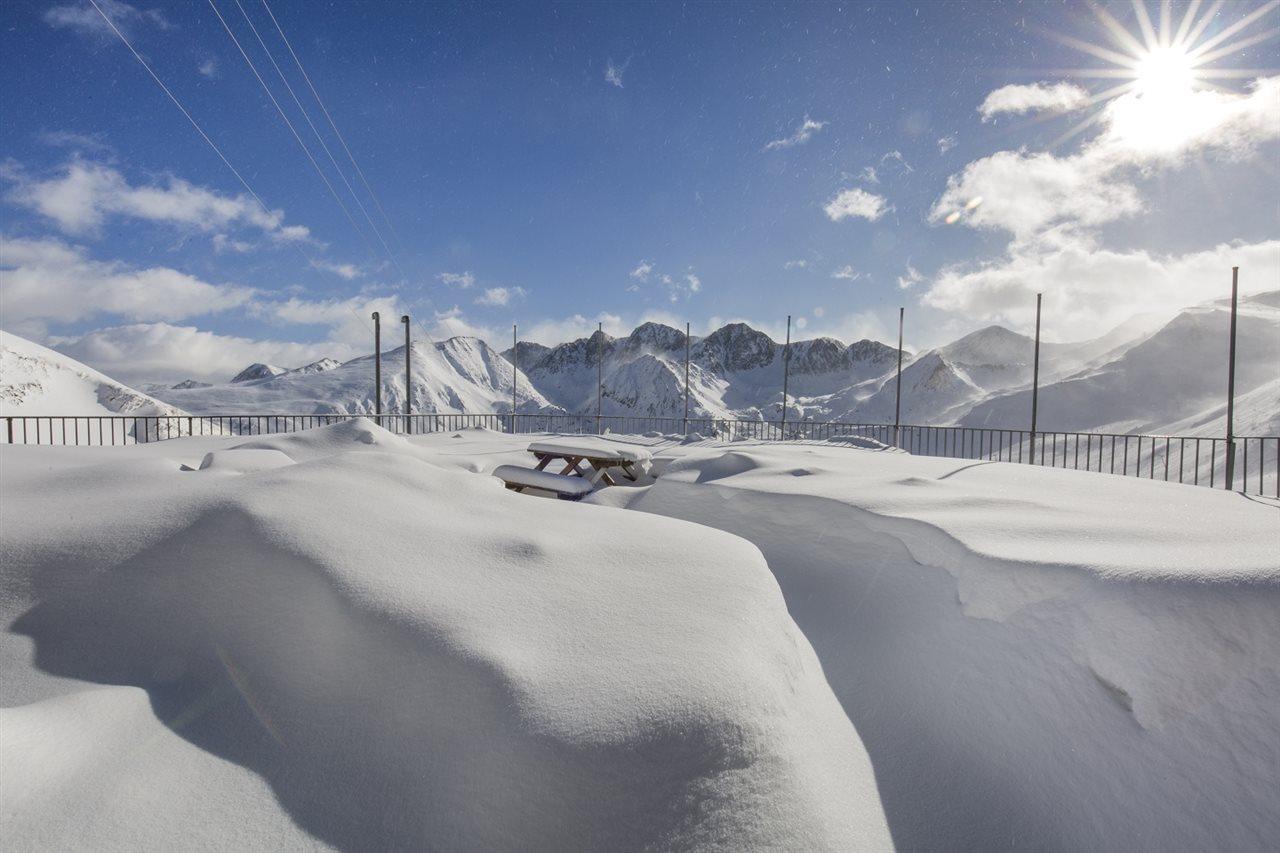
(404, 656)
(1035, 658)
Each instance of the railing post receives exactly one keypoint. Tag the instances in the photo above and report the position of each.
(786, 373)
(9, 422)
(897, 400)
(1035, 382)
(408, 376)
(1231, 383)
(377, 368)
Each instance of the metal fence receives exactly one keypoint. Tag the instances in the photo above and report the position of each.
(1196, 460)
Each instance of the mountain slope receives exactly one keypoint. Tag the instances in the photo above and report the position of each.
(1175, 374)
(35, 380)
(458, 375)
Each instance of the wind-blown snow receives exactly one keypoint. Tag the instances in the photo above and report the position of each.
(326, 638)
(1035, 658)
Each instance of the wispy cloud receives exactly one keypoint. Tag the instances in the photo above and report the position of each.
(856, 203)
(910, 277)
(81, 197)
(208, 68)
(642, 271)
(1036, 97)
(946, 143)
(83, 19)
(495, 296)
(796, 265)
(613, 73)
(347, 271)
(802, 134)
(846, 272)
(463, 280)
(48, 280)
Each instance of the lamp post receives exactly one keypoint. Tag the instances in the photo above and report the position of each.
(377, 367)
(897, 398)
(408, 377)
(786, 374)
(1035, 382)
(1231, 383)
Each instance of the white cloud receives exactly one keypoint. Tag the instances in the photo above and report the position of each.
(82, 18)
(160, 352)
(793, 265)
(347, 320)
(81, 197)
(500, 295)
(946, 143)
(856, 203)
(613, 73)
(1088, 290)
(693, 282)
(93, 143)
(457, 279)
(451, 324)
(1036, 97)
(846, 272)
(208, 68)
(347, 271)
(676, 287)
(49, 280)
(642, 271)
(802, 134)
(551, 332)
(1024, 193)
(910, 277)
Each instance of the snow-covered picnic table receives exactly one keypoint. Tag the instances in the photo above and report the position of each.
(600, 455)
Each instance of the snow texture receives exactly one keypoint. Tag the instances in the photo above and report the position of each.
(327, 639)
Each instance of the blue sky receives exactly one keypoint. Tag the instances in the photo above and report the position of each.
(559, 165)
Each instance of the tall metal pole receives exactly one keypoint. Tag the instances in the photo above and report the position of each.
(1035, 382)
(408, 377)
(786, 371)
(515, 374)
(599, 373)
(1231, 382)
(897, 397)
(377, 367)
(686, 379)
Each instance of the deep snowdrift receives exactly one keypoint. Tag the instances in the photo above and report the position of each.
(1035, 658)
(323, 637)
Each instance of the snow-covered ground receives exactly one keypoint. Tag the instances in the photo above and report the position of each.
(346, 638)
(328, 639)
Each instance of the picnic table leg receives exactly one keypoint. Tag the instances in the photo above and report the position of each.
(602, 474)
(571, 466)
(543, 461)
(628, 472)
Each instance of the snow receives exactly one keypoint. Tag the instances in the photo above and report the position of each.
(35, 380)
(363, 648)
(590, 445)
(454, 376)
(1036, 658)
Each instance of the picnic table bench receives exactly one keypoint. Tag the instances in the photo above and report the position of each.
(573, 481)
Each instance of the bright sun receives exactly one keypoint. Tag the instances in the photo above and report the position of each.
(1165, 72)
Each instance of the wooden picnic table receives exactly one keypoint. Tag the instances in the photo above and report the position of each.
(599, 455)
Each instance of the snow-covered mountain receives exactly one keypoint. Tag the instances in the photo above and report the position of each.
(458, 375)
(1142, 376)
(35, 380)
(1175, 377)
(258, 371)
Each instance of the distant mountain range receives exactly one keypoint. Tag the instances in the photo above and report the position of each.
(1144, 376)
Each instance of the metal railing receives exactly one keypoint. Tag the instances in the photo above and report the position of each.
(1195, 460)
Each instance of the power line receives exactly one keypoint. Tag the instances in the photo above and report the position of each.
(216, 150)
(292, 130)
(334, 125)
(195, 124)
(283, 79)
